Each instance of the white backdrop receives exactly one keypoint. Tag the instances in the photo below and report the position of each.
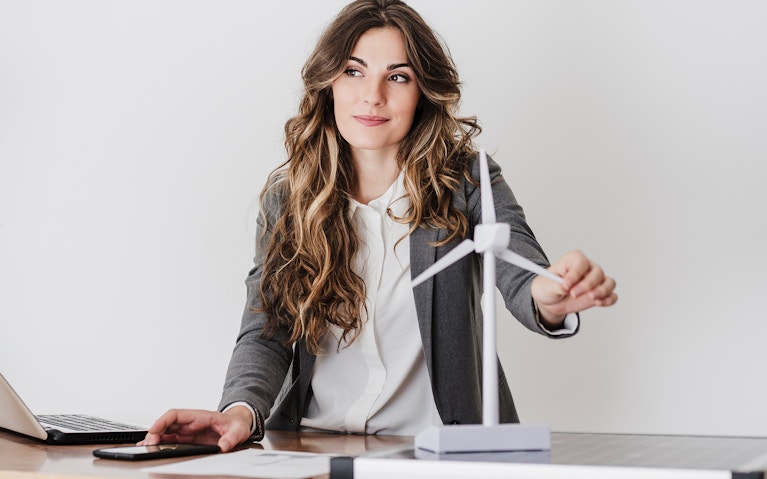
(135, 137)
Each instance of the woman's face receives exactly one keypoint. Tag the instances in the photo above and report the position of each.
(376, 97)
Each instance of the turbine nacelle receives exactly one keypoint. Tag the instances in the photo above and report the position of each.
(491, 237)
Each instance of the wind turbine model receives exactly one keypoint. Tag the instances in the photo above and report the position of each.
(491, 240)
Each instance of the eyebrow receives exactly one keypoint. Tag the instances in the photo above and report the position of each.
(393, 66)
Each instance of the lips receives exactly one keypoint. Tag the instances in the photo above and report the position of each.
(370, 120)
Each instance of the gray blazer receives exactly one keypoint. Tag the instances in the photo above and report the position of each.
(276, 380)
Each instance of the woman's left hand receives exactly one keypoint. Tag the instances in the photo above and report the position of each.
(584, 285)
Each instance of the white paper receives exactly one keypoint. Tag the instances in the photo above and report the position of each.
(252, 463)
(369, 468)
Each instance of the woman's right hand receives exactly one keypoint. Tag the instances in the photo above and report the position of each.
(195, 426)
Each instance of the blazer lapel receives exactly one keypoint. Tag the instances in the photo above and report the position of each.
(422, 255)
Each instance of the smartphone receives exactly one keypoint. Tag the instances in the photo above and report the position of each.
(141, 453)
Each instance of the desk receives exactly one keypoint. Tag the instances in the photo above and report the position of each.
(594, 455)
(25, 458)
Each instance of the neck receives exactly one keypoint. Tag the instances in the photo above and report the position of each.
(375, 173)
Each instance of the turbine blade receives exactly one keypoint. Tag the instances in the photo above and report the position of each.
(464, 248)
(524, 263)
(486, 191)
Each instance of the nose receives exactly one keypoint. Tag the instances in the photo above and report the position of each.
(374, 94)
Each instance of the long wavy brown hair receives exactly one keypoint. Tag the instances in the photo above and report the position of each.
(308, 283)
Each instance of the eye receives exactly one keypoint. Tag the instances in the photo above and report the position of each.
(399, 78)
(352, 72)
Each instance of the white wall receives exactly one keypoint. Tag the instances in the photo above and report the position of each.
(135, 137)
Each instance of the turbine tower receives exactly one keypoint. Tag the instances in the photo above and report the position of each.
(491, 240)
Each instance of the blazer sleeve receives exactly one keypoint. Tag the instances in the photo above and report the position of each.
(513, 282)
(258, 365)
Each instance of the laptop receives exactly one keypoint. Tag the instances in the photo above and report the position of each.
(61, 428)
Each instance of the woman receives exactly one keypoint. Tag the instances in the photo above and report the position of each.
(380, 182)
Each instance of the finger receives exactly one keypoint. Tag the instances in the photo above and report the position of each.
(176, 426)
(603, 295)
(603, 290)
(592, 278)
(164, 422)
(228, 441)
(148, 441)
(155, 439)
(558, 288)
(231, 433)
(190, 421)
(572, 267)
(546, 291)
(609, 301)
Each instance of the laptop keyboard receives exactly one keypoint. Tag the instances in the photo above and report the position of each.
(79, 422)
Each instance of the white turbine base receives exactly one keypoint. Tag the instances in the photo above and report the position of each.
(455, 438)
